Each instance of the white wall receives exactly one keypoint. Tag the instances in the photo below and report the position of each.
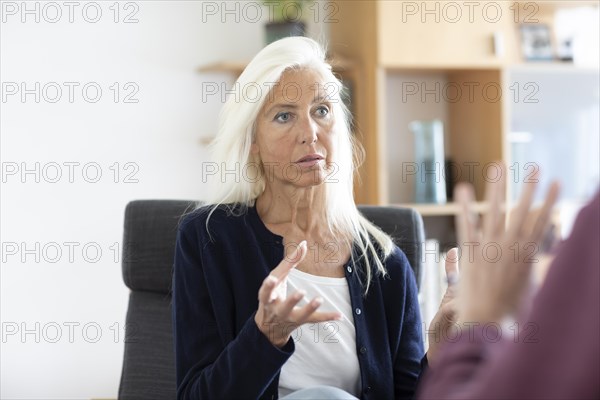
(158, 135)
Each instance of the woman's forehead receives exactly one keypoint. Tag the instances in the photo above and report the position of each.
(304, 83)
(300, 75)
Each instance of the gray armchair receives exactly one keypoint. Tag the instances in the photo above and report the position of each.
(148, 252)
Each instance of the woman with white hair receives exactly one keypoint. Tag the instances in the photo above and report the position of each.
(281, 287)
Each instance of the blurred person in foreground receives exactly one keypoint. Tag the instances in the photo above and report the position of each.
(551, 350)
(281, 288)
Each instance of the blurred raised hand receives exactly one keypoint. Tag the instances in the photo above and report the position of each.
(496, 256)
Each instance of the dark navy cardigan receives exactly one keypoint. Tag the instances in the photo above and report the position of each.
(220, 352)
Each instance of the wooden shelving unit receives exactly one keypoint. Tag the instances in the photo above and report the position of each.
(391, 46)
(388, 42)
(374, 33)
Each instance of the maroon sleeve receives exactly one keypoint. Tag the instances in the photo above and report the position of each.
(556, 355)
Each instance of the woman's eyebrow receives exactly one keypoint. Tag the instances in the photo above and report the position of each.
(318, 99)
(321, 98)
(280, 105)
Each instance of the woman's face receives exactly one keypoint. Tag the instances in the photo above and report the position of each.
(295, 139)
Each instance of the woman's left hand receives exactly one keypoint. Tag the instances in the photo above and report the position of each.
(446, 315)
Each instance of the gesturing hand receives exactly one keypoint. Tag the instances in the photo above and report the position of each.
(496, 260)
(277, 316)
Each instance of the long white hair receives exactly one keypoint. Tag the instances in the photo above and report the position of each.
(231, 150)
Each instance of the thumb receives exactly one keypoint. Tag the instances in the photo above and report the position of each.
(451, 266)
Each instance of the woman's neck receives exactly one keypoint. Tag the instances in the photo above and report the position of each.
(302, 207)
(300, 214)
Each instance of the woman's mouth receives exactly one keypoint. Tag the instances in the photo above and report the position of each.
(309, 160)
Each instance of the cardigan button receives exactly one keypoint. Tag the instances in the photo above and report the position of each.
(349, 268)
(358, 311)
(367, 390)
(363, 350)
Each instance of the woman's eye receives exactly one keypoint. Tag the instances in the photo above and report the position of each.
(322, 111)
(283, 117)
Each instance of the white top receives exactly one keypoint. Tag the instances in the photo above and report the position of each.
(325, 353)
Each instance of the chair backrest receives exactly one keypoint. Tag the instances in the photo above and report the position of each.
(148, 252)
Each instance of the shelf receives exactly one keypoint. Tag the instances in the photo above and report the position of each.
(553, 67)
(542, 65)
(550, 6)
(230, 67)
(440, 210)
(444, 68)
(339, 64)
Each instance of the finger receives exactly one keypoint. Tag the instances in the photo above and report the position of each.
(266, 289)
(317, 317)
(446, 313)
(290, 262)
(501, 225)
(309, 313)
(451, 266)
(288, 305)
(489, 218)
(493, 222)
(519, 216)
(543, 218)
(449, 308)
(464, 219)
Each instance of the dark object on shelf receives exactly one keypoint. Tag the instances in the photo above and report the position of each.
(565, 50)
(449, 172)
(279, 30)
(536, 43)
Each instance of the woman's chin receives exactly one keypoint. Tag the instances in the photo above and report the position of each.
(313, 177)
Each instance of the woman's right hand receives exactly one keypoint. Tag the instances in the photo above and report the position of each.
(277, 317)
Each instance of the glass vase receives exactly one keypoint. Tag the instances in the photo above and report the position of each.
(430, 183)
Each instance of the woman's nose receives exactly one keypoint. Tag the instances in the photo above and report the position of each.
(308, 131)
